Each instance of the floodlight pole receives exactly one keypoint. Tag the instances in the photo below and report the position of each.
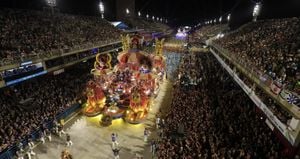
(52, 4)
(228, 17)
(127, 12)
(101, 8)
(256, 11)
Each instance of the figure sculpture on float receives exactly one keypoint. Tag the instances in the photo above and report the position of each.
(159, 59)
(95, 95)
(131, 58)
(139, 107)
(102, 65)
(121, 58)
(145, 78)
(127, 91)
(95, 99)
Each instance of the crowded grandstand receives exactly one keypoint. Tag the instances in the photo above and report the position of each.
(132, 84)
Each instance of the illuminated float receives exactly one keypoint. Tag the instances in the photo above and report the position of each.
(127, 90)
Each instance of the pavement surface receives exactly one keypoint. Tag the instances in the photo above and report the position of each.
(91, 141)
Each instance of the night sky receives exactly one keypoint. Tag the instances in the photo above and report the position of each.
(186, 11)
(178, 12)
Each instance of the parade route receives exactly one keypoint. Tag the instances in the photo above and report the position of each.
(91, 141)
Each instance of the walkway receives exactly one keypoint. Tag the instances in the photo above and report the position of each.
(94, 142)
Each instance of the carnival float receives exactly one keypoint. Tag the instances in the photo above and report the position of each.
(127, 89)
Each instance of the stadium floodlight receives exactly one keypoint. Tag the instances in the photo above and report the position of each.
(101, 8)
(153, 18)
(166, 20)
(139, 13)
(220, 19)
(161, 19)
(127, 11)
(157, 18)
(210, 22)
(51, 3)
(215, 21)
(256, 11)
(228, 17)
(147, 16)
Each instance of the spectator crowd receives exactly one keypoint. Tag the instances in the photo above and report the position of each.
(269, 46)
(26, 107)
(205, 32)
(26, 33)
(211, 117)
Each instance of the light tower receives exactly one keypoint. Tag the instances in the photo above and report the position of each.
(256, 11)
(124, 9)
(101, 8)
(52, 4)
(228, 17)
(147, 16)
(139, 14)
(127, 11)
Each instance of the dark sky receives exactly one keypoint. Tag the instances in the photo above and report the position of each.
(179, 12)
(186, 11)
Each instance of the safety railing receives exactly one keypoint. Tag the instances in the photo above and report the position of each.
(58, 52)
(256, 75)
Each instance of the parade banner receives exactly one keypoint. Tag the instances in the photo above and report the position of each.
(275, 87)
(265, 79)
(290, 97)
(57, 72)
